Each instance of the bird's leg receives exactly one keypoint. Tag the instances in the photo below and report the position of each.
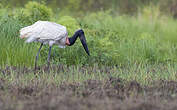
(48, 59)
(37, 56)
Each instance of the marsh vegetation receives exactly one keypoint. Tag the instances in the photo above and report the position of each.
(133, 62)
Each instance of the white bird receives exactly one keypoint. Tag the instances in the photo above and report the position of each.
(51, 33)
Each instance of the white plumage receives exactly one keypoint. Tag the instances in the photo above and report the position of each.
(45, 32)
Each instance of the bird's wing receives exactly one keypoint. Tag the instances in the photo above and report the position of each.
(44, 30)
(53, 31)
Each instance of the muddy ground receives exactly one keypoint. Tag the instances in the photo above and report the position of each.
(110, 94)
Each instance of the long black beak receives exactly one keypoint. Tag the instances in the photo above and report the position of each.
(84, 43)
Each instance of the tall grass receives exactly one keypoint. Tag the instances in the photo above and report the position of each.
(124, 39)
(112, 40)
(13, 50)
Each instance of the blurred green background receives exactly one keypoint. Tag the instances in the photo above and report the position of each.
(131, 7)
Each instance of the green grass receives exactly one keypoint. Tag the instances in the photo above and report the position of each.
(129, 39)
(118, 40)
(13, 50)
